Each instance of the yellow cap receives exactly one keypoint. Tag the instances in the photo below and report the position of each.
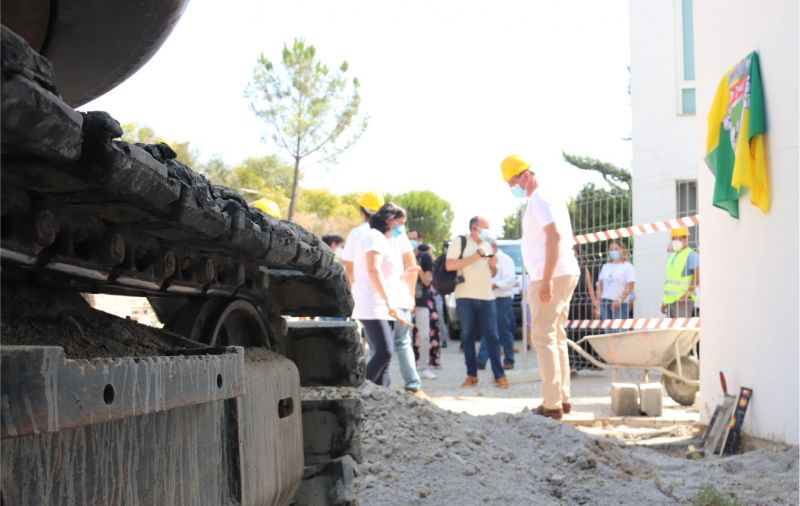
(680, 232)
(371, 201)
(512, 166)
(268, 206)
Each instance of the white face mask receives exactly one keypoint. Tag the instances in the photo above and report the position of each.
(677, 245)
(338, 252)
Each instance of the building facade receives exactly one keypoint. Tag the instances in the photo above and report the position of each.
(749, 267)
(664, 126)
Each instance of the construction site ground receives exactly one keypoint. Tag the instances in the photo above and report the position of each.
(591, 399)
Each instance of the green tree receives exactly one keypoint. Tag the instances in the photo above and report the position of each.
(594, 208)
(428, 214)
(215, 171)
(133, 133)
(512, 224)
(312, 112)
(320, 202)
(254, 178)
(616, 177)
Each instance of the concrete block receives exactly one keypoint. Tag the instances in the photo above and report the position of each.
(625, 399)
(331, 429)
(651, 399)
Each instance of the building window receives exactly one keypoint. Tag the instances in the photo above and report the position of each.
(687, 206)
(686, 83)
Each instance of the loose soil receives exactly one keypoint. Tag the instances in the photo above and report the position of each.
(417, 453)
(61, 318)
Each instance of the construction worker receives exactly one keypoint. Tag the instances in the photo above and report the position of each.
(268, 206)
(682, 277)
(553, 269)
(368, 204)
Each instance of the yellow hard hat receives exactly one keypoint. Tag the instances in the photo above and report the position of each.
(371, 201)
(268, 206)
(512, 166)
(680, 232)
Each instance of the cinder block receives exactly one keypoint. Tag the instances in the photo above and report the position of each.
(651, 399)
(625, 399)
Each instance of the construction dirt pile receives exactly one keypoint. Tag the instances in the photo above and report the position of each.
(53, 318)
(417, 453)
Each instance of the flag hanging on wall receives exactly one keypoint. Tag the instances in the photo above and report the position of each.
(735, 147)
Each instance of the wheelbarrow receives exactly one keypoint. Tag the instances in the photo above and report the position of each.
(671, 352)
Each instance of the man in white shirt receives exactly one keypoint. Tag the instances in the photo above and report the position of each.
(503, 286)
(548, 257)
(475, 299)
(369, 203)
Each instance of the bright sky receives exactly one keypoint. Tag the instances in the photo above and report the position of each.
(451, 88)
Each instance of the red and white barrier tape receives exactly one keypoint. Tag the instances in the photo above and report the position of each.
(647, 228)
(635, 324)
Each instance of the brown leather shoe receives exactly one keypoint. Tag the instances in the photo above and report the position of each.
(471, 381)
(501, 382)
(566, 407)
(555, 414)
(508, 366)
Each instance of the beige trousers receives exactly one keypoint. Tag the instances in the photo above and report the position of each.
(550, 339)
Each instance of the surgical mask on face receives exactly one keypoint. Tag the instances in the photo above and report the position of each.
(398, 230)
(677, 245)
(614, 255)
(485, 235)
(338, 252)
(518, 191)
(414, 243)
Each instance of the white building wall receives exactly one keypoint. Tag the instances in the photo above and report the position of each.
(663, 140)
(750, 266)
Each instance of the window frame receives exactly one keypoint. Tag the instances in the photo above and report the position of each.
(686, 188)
(683, 84)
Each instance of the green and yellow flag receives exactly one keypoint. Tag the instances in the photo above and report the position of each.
(736, 128)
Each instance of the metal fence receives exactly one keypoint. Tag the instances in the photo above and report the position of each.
(613, 210)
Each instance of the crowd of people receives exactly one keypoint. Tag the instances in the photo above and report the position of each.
(391, 272)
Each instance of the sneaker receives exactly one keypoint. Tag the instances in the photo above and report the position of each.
(427, 374)
(555, 414)
(508, 365)
(482, 367)
(471, 381)
(411, 390)
(501, 382)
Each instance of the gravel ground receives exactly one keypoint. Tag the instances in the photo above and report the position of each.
(418, 453)
(483, 445)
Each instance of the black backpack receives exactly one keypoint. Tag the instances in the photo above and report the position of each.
(445, 281)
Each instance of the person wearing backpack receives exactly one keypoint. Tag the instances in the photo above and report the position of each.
(548, 257)
(474, 263)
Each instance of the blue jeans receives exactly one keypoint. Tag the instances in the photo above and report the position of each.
(479, 317)
(506, 324)
(606, 313)
(404, 351)
(381, 339)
